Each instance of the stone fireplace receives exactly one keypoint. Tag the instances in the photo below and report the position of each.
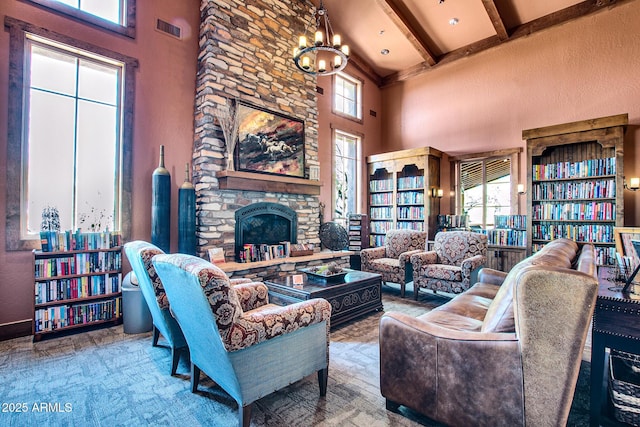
(265, 223)
(245, 54)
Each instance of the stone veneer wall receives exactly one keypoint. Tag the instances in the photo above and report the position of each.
(245, 53)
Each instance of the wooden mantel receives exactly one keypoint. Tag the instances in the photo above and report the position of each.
(237, 180)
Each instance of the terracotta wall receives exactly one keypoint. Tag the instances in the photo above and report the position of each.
(577, 71)
(164, 97)
(369, 129)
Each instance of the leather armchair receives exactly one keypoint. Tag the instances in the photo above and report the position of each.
(246, 345)
(140, 254)
(453, 264)
(391, 260)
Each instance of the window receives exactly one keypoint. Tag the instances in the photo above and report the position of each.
(347, 96)
(485, 187)
(114, 15)
(346, 185)
(68, 143)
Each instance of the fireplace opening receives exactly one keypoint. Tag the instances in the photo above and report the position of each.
(264, 223)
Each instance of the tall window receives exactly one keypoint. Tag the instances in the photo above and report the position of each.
(69, 139)
(113, 15)
(346, 185)
(347, 96)
(72, 148)
(111, 10)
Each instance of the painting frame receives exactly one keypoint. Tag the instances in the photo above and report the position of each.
(269, 142)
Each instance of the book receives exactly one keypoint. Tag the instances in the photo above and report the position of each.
(216, 255)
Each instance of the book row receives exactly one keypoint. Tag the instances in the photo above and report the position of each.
(583, 169)
(381, 185)
(80, 263)
(381, 212)
(506, 237)
(510, 221)
(411, 182)
(381, 199)
(453, 221)
(411, 212)
(263, 252)
(77, 287)
(58, 317)
(411, 225)
(600, 233)
(52, 241)
(411, 198)
(377, 240)
(596, 189)
(604, 255)
(576, 211)
(381, 226)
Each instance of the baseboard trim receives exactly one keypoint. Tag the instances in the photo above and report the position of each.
(21, 328)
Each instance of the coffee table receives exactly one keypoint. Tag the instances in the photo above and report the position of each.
(350, 296)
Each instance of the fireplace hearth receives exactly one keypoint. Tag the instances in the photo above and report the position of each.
(264, 223)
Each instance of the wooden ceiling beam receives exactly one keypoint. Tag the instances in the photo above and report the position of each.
(417, 38)
(496, 19)
(562, 16)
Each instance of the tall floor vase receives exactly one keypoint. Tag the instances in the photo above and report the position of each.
(187, 216)
(161, 206)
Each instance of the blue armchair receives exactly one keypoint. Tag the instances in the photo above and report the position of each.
(139, 254)
(250, 348)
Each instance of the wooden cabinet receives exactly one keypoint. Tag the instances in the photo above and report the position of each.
(575, 183)
(402, 185)
(75, 289)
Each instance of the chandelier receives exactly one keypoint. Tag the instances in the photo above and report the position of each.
(321, 52)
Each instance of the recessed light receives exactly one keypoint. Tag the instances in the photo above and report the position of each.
(385, 51)
(453, 21)
(381, 32)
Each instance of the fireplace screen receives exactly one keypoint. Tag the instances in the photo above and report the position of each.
(264, 223)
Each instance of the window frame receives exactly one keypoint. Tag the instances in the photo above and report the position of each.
(16, 110)
(129, 15)
(514, 155)
(359, 97)
(358, 173)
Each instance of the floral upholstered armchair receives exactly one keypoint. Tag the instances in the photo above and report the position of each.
(453, 264)
(246, 345)
(391, 259)
(139, 254)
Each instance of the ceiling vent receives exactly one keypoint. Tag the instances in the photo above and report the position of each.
(167, 28)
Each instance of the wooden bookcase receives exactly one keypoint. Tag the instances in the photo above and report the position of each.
(575, 183)
(75, 289)
(400, 191)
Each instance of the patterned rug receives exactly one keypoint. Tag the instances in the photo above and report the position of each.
(107, 378)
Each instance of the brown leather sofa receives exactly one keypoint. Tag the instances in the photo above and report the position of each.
(505, 352)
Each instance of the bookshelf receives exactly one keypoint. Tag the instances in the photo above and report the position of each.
(509, 230)
(358, 230)
(575, 181)
(400, 185)
(77, 283)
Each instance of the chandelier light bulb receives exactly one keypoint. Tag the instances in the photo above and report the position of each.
(320, 51)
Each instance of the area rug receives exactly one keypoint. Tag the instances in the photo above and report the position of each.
(108, 378)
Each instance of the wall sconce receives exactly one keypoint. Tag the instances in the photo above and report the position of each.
(437, 192)
(634, 184)
(521, 189)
